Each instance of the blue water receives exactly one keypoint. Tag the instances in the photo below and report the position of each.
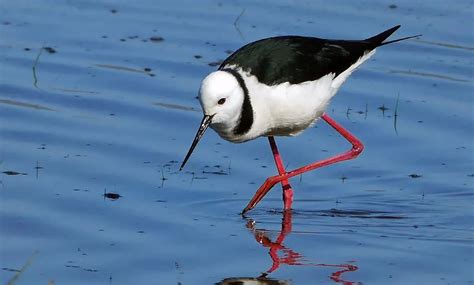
(98, 97)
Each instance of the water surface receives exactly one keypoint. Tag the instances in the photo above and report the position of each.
(98, 108)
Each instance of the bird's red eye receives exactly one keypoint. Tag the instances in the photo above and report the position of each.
(221, 101)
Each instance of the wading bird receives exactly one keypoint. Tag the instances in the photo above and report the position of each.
(280, 86)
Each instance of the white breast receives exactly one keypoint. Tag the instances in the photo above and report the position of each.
(285, 109)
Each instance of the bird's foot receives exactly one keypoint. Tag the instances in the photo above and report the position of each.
(287, 196)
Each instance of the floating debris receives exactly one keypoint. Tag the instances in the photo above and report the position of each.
(49, 49)
(215, 63)
(121, 68)
(10, 269)
(383, 108)
(414, 175)
(175, 106)
(9, 172)
(215, 172)
(110, 195)
(24, 104)
(430, 75)
(156, 39)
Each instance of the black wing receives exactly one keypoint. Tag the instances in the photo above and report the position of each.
(296, 59)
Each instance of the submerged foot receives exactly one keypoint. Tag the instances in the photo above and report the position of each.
(287, 196)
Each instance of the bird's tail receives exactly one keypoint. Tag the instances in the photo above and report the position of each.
(379, 39)
(401, 39)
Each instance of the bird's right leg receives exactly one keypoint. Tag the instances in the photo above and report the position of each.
(287, 191)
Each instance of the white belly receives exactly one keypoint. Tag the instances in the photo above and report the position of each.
(286, 110)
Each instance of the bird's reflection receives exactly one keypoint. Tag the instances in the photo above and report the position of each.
(282, 255)
(289, 257)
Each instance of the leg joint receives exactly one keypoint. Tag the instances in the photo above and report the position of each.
(357, 148)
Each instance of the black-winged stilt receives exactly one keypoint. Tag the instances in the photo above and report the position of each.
(280, 86)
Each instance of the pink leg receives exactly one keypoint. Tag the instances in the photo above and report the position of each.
(356, 149)
(287, 191)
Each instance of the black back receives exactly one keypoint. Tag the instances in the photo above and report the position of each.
(297, 59)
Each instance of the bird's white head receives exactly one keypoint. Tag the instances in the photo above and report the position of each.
(221, 97)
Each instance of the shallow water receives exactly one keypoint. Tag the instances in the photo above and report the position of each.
(98, 98)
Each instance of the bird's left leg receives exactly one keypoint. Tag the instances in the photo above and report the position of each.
(356, 149)
(287, 191)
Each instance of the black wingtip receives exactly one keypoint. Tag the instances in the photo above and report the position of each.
(377, 40)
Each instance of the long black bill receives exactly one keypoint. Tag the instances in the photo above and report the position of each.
(206, 121)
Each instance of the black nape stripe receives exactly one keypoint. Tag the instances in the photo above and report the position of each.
(246, 114)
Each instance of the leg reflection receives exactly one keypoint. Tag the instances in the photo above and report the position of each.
(281, 254)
